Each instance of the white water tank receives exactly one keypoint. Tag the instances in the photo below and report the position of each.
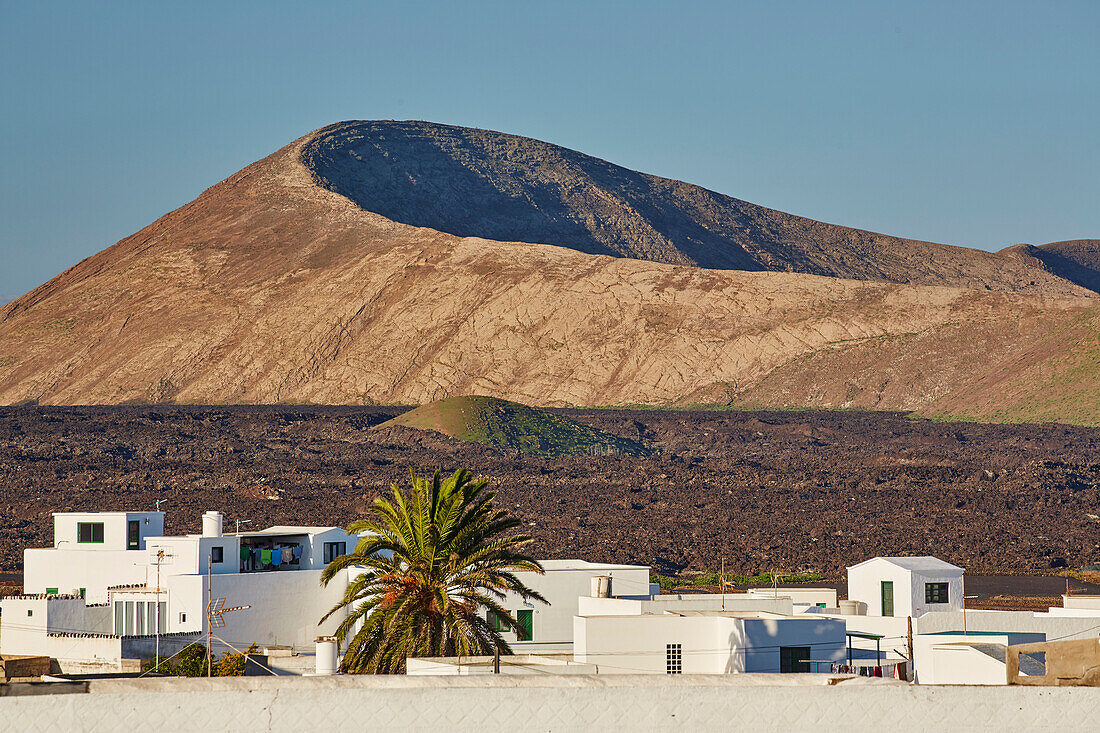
(212, 524)
(601, 586)
(326, 655)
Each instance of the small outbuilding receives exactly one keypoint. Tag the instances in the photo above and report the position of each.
(906, 586)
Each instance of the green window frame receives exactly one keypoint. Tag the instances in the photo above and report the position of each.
(495, 622)
(89, 533)
(83, 592)
(887, 598)
(935, 593)
(51, 591)
(526, 622)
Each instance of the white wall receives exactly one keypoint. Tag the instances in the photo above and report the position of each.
(811, 596)
(589, 606)
(69, 570)
(286, 606)
(1054, 627)
(865, 585)
(709, 644)
(948, 659)
(115, 528)
(488, 704)
(563, 586)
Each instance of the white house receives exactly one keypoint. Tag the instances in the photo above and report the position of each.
(708, 642)
(549, 628)
(905, 586)
(113, 586)
(974, 658)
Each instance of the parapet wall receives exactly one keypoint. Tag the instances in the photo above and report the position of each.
(551, 703)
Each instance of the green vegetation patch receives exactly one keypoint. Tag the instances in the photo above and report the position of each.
(511, 426)
(713, 577)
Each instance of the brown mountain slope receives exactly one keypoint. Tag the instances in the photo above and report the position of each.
(472, 182)
(270, 288)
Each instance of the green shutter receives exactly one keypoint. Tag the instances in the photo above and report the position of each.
(526, 621)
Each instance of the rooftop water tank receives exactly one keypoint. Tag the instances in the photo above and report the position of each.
(212, 524)
(326, 655)
(601, 586)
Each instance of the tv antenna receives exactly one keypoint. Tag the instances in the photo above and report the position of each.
(240, 522)
(215, 609)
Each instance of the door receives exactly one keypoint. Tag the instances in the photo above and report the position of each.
(526, 621)
(887, 598)
(133, 534)
(794, 659)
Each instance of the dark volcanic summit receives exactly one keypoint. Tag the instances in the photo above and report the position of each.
(478, 183)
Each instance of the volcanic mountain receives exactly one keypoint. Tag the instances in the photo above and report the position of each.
(404, 262)
(513, 427)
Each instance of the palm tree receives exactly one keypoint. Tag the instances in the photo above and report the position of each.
(432, 559)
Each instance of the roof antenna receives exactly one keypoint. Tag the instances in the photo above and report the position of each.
(240, 522)
(158, 502)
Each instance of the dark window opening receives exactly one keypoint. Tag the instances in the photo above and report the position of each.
(794, 659)
(217, 554)
(935, 593)
(133, 535)
(89, 532)
(674, 659)
(334, 550)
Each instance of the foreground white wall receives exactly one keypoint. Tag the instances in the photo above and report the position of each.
(572, 703)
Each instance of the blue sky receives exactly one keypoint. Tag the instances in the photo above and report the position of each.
(964, 122)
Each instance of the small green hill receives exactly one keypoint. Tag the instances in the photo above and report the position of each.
(511, 426)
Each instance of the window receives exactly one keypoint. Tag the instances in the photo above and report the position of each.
(30, 612)
(935, 593)
(217, 554)
(133, 535)
(183, 618)
(83, 592)
(89, 532)
(526, 622)
(334, 550)
(51, 591)
(887, 598)
(794, 659)
(494, 621)
(821, 605)
(674, 659)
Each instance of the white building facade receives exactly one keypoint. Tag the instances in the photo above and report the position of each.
(905, 586)
(114, 585)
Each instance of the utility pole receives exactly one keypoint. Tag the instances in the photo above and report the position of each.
(209, 619)
(722, 584)
(909, 644)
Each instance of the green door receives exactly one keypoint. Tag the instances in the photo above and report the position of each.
(526, 621)
(887, 598)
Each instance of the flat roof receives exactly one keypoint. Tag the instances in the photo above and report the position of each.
(283, 529)
(574, 564)
(102, 514)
